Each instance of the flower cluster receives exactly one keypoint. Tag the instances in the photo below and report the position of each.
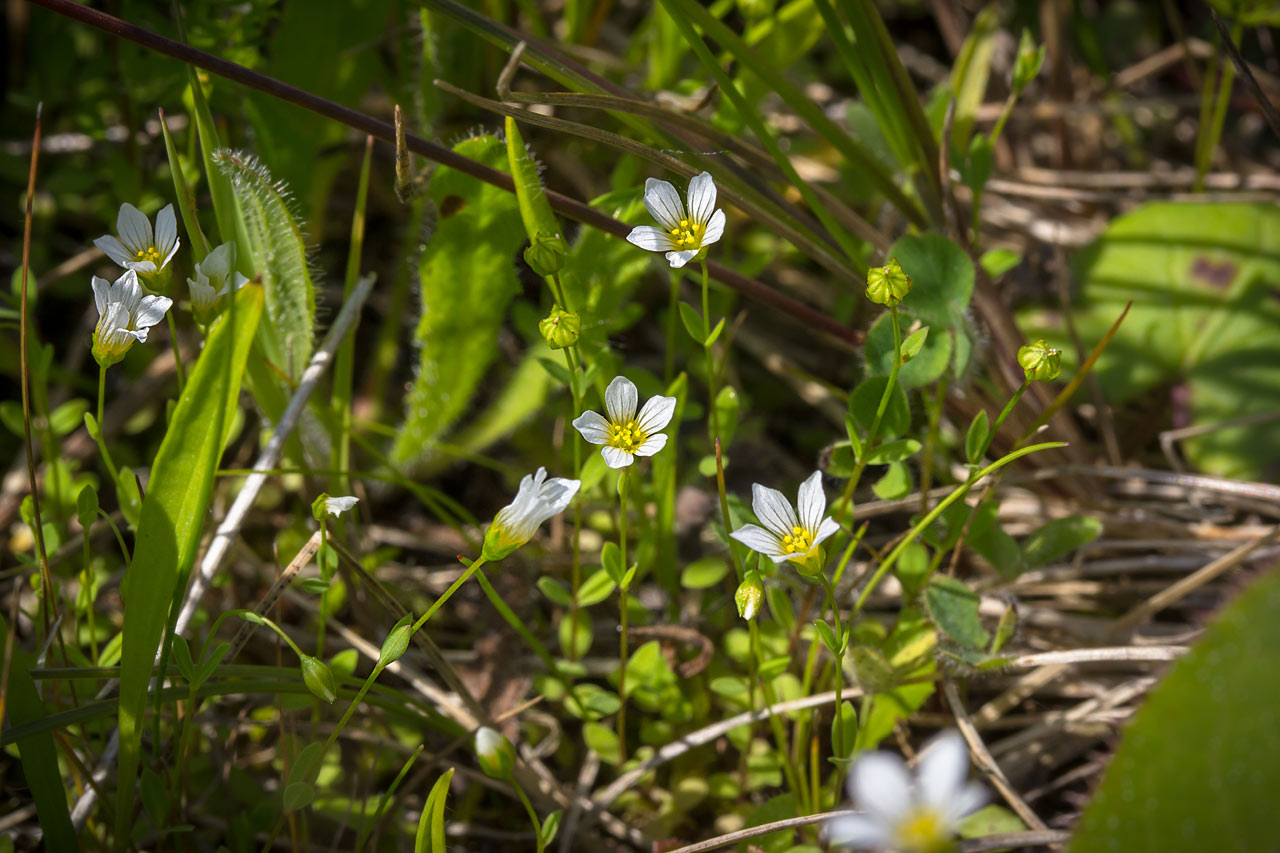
(216, 277)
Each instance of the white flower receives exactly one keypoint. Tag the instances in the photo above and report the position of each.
(537, 500)
(337, 506)
(215, 278)
(626, 435)
(125, 314)
(138, 248)
(494, 753)
(684, 233)
(784, 535)
(918, 815)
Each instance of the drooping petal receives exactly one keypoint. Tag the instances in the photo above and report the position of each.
(702, 198)
(557, 494)
(715, 228)
(651, 239)
(679, 259)
(758, 539)
(114, 249)
(663, 203)
(880, 785)
(101, 294)
(151, 311)
(943, 766)
(826, 530)
(811, 502)
(652, 444)
(772, 509)
(656, 414)
(142, 267)
(134, 229)
(166, 232)
(857, 831)
(593, 427)
(620, 400)
(615, 457)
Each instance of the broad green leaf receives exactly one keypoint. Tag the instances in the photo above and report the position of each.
(692, 321)
(279, 255)
(1199, 766)
(845, 725)
(704, 573)
(990, 820)
(778, 808)
(893, 451)
(595, 589)
(430, 837)
(555, 591)
(998, 548)
(575, 634)
(467, 279)
(895, 484)
(611, 559)
(604, 740)
(1058, 538)
(173, 515)
(941, 286)
(865, 401)
(953, 608)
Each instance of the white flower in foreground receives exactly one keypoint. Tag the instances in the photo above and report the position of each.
(784, 535)
(537, 500)
(917, 815)
(215, 278)
(684, 233)
(125, 313)
(337, 506)
(138, 248)
(626, 435)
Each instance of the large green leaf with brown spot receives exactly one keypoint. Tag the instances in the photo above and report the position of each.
(1202, 342)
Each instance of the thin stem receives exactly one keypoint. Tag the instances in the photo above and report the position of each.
(673, 329)
(839, 655)
(533, 815)
(1004, 413)
(518, 626)
(576, 575)
(624, 485)
(713, 391)
(789, 768)
(847, 496)
(448, 593)
(102, 444)
(177, 356)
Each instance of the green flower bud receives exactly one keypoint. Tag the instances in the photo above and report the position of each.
(545, 255)
(560, 328)
(1040, 362)
(396, 642)
(494, 753)
(318, 678)
(1027, 65)
(749, 594)
(888, 285)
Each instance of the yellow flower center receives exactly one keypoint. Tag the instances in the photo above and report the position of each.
(798, 542)
(627, 436)
(922, 831)
(688, 234)
(149, 254)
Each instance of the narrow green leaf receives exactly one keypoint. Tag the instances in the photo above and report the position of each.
(1058, 538)
(828, 635)
(914, 343)
(692, 321)
(704, 573)
(430, 837)
(535, 210)
(173, 515)
(611, 559)
(595, 589)
(225, 210)
(182, 191)
(975, 440)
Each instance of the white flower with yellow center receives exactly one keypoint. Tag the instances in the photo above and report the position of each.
(625, 434)
(537, 500)
(125, 313)
(138, 248)
(909, 815)
(215, 278)
(788, 534)
(684, 232)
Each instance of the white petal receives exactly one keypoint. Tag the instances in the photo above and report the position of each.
(151, 311)
(943, 766)
(679, 259)
(656, 414)
(652, 444)
(758, 539)
(594, 428)
(127, 291)
(650, 239)
(238, 281)
(166, 231)
(857, 831)
(826, 530)
(702, 197)
(881, 786)
(663, 203)
(164, 262)
(558, 493)
(134, 229)
(114, 249)
(715, 228)
(773, 510)
(811, 502)
(616, 458)
(101, 294)
(620, 400)
(971, 798)
(337, 506)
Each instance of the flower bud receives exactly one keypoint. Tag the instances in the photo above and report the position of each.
(394, 646)
(560, 328)
(545, 255)
(1040, 362)
(749, 594)
(318, 678)
(494, 753)
(1028, 64)
(888, 285)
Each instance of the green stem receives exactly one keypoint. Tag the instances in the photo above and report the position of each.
(102, 444)
(789, 768)
(624, 485)
(177, 356)
(1004, 413)
(518, 625)
(448, 593)
(533, 815)
(839, 655)
(847, 496)
(576, 576)
(713, 391)
(673, 329)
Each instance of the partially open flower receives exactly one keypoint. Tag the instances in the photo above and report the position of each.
(215, 278)
(337, 506)
(787, 536)
(125, 314)
(138, 248)
(537, 500)
(494, 753)
(684, 233)
(626, 435)
(917, 815)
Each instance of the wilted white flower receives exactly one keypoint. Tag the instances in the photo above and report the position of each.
(125, 314)
(684, 233)
(215, 277)
(537, 500)
(784, 535)
(917, 815)
(626, 435)
(138, 247)
(337, 506)
(494, 753)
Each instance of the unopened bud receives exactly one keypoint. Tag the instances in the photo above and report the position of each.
(888, 285)
(545, 254)
(1028, 64)
(560, 328)
(318, 678)
(1040, 362)
(494, 753)
(749, 594)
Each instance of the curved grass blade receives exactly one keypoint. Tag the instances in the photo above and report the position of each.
(430, 838)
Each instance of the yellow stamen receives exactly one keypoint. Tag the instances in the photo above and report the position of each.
(626, 436)
(688, 233)
(921, 832)
(150, 253)
(800, 541)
